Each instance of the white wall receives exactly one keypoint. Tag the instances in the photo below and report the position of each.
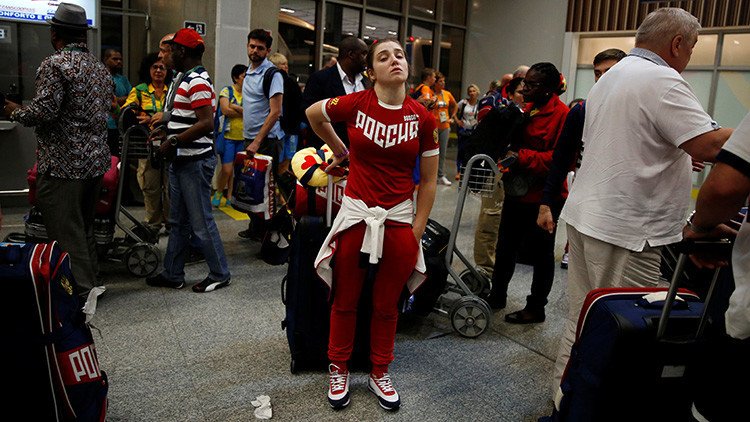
(506, 33)
(232, 27)
(234, 20)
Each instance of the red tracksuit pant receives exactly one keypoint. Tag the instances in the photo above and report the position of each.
(397, 264)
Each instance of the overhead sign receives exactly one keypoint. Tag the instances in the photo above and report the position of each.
(38, 11)
(4, 34)
(199, 27)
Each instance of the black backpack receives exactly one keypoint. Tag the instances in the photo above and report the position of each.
(417, 92)
(495, 132)
(291, 114)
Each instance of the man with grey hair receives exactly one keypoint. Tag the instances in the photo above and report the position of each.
(633, 189)
(520, 71)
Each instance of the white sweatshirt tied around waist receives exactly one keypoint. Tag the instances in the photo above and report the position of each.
(353, 211)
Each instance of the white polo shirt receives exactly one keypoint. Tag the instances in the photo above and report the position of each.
(736, 152)
(634, 184)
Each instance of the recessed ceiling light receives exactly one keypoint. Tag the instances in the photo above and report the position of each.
(370, 27)
(286, 10)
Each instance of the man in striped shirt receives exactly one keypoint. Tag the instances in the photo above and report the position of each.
(189, 147)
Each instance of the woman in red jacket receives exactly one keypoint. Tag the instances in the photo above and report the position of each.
(524, 183)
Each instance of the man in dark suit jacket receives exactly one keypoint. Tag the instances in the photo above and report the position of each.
(345, 77)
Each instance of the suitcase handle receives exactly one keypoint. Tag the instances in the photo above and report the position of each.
(721, 247)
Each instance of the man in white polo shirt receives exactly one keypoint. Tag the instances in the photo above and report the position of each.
(643, 124)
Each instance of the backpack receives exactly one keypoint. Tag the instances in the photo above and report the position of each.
(291, 114)
(417, 92)
(495, 131)
(275, 247)
(48, 341)
(221, 125)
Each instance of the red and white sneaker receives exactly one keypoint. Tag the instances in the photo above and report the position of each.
(338, 387)
(383, 389)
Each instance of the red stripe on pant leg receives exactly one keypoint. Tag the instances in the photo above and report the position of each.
(348, 279)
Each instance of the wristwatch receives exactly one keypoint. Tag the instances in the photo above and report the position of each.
(172, 139)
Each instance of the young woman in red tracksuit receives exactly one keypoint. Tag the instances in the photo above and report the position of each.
(387, 131)
(545, 118)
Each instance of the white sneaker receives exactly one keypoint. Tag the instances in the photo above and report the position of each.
(564, 261)
(338, 387)
(444, 181)
(383, 389)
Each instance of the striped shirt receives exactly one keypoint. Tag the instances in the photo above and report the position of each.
(195, 90)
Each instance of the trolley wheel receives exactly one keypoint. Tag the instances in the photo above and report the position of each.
(479, 286)
(470, 316)
(142, 259)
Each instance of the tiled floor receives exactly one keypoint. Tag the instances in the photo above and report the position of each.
(174, 355)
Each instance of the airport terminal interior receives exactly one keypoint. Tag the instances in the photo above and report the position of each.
(174, 355)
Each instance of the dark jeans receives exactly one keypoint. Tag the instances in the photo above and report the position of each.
(518, 229)
(67, 207)
(190, 195)
(461, 159)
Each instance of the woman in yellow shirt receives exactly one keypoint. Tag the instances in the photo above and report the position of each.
(149, 96)
(230, 101)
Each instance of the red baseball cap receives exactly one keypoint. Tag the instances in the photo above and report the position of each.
(187, 37)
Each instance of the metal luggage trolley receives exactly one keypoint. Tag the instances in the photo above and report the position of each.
(137, 250)
(470, 315)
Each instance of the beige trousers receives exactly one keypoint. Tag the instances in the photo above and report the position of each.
(152, 182)
(488, 224)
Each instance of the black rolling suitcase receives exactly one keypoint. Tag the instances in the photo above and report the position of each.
(631, 357)
(306, 299)
(54, 372)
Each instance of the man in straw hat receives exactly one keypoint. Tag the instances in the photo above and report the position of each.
(69, 111)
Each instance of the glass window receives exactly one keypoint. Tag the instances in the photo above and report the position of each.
(588, 48)
(732, 97)
(704, 52)
(392, 5)
(451, 59)
(454, 11)
(700, 82)
(378, 27)
(584, 82)
(22, 47)
(340, 22)
(419, 46)
(297, 36)
(736, 50)
(422, 8)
